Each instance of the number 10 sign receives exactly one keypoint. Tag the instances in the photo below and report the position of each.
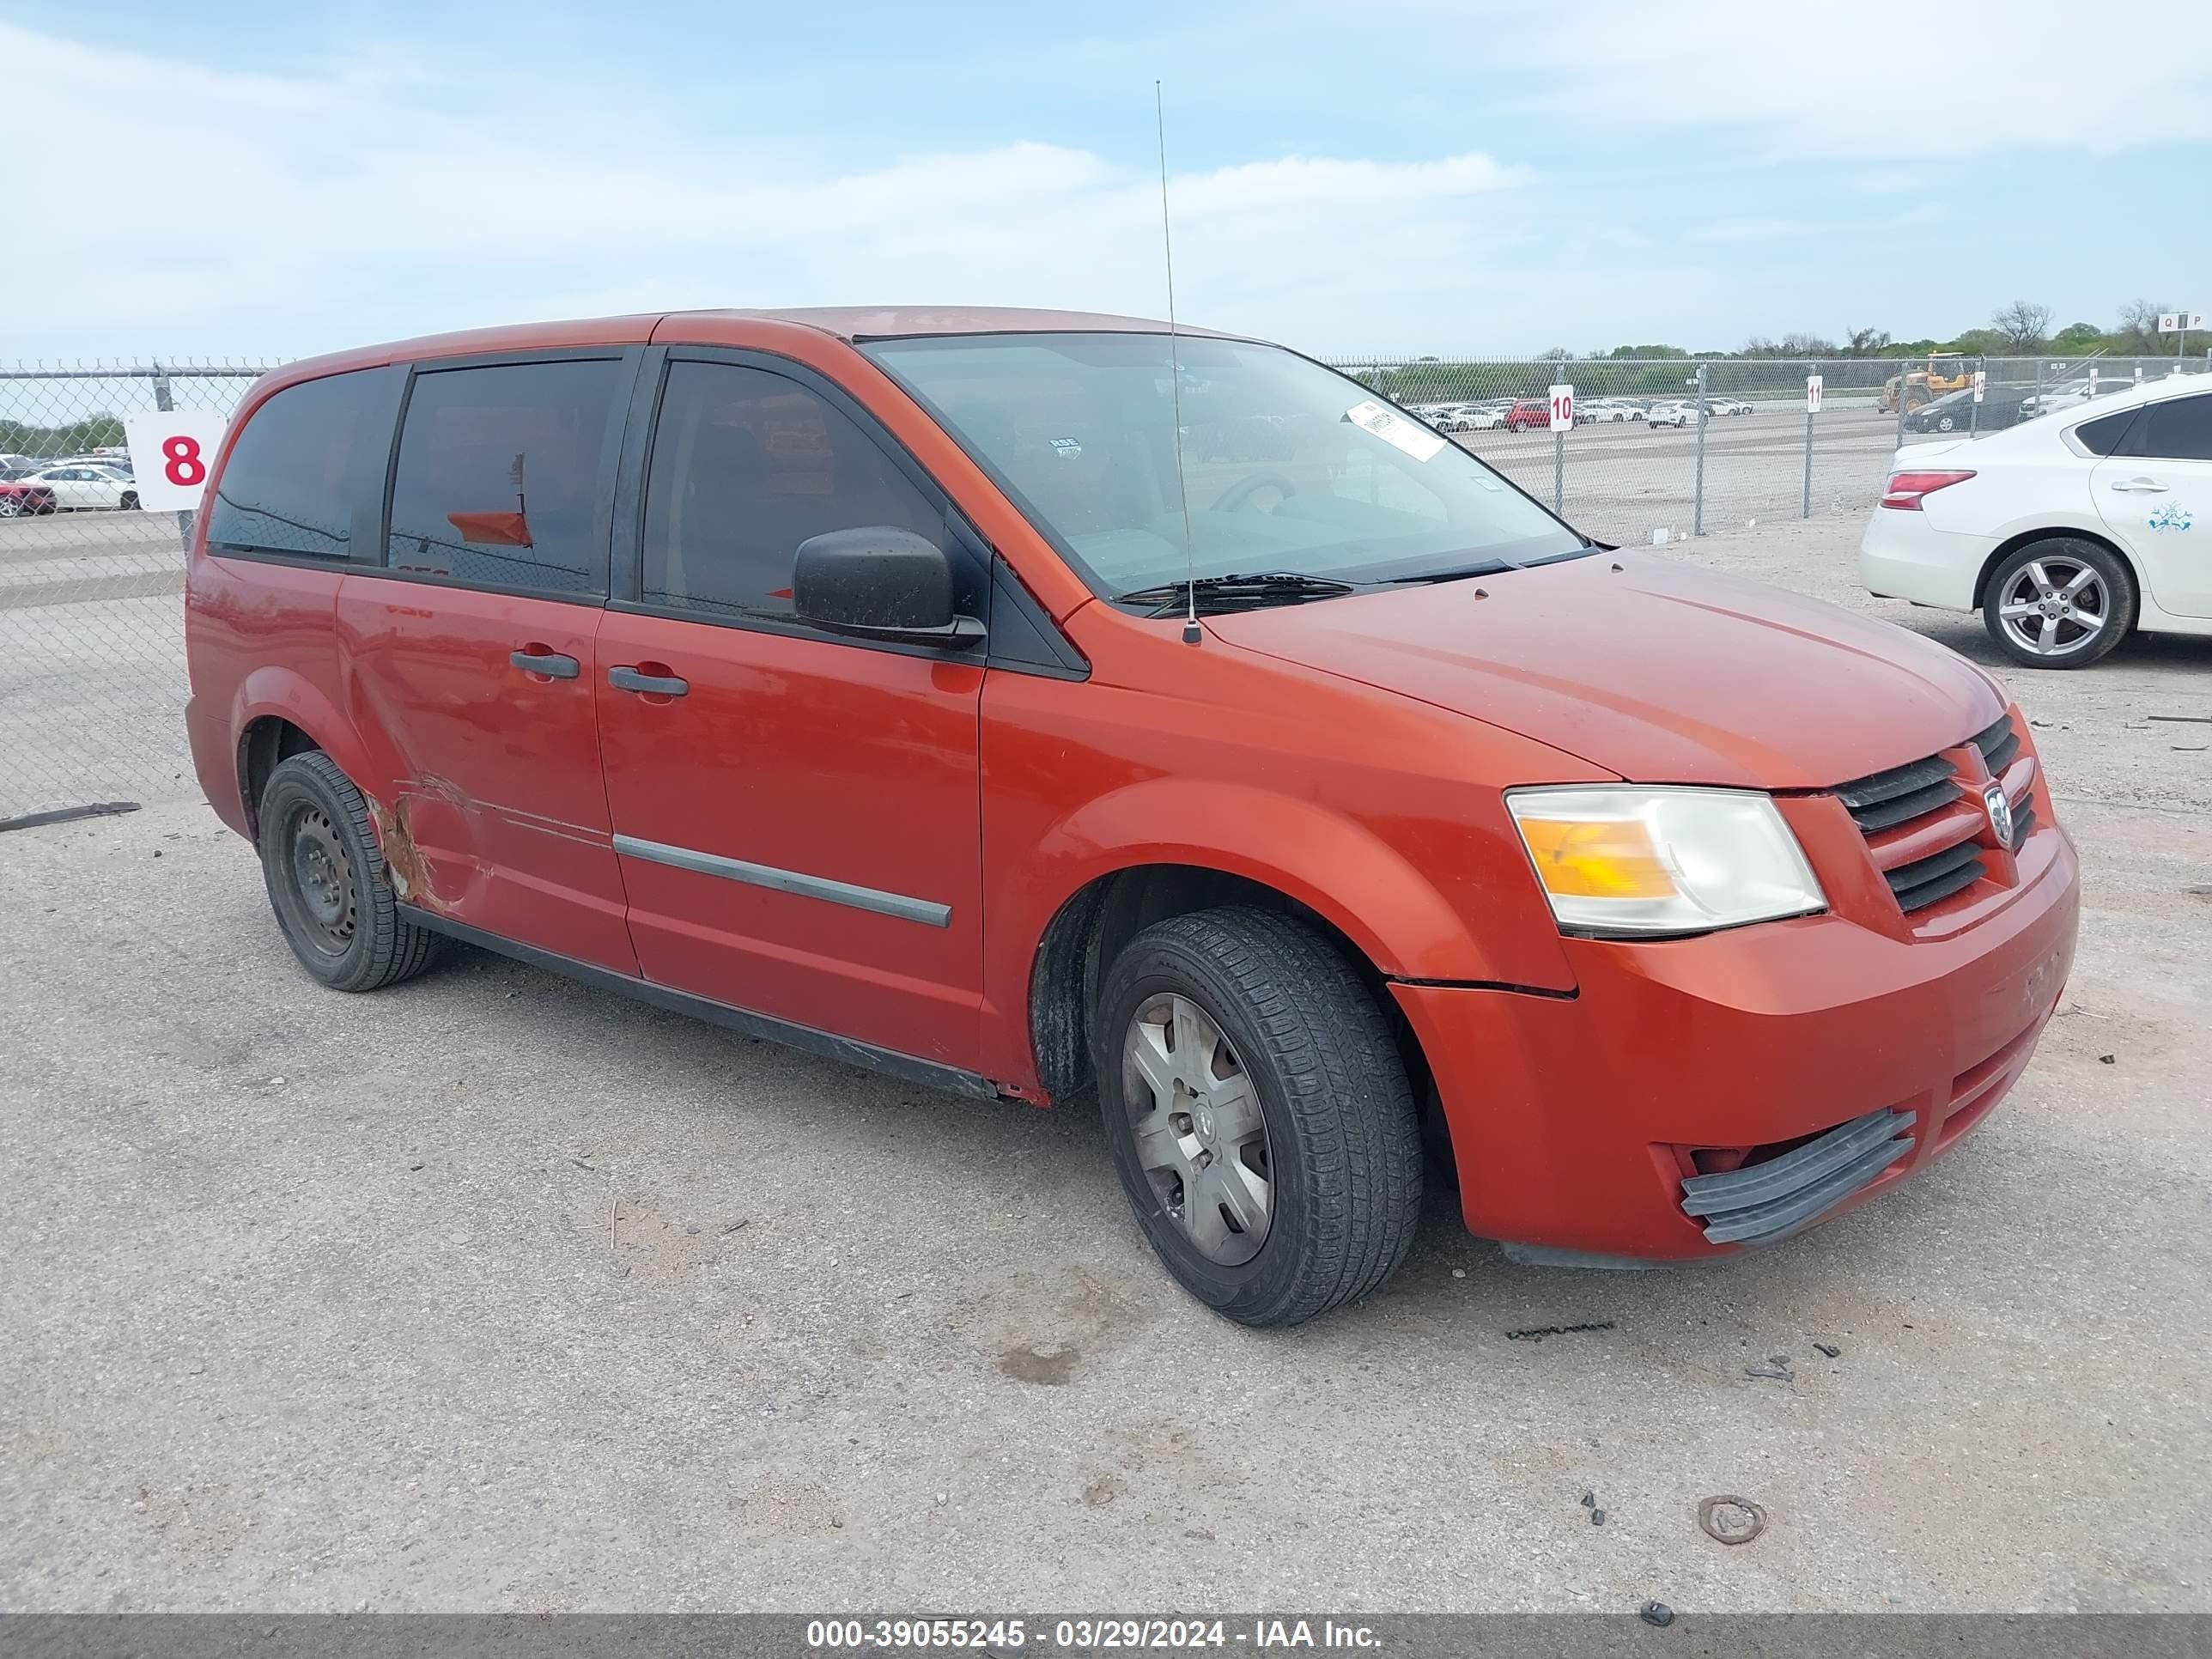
(171, 454)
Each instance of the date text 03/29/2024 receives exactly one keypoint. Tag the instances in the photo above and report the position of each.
(1088, 1635)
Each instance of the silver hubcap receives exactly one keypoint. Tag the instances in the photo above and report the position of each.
(2053, 606)
(1201, 1141)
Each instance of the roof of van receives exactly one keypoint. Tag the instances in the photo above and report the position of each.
(850, 322)
(893, 322)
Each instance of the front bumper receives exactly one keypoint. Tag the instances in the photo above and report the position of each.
(1577, 1120)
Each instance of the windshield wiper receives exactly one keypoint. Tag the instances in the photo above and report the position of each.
(1479, 568)
(1263, 587)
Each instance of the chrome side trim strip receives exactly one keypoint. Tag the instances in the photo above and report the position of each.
(788, 881)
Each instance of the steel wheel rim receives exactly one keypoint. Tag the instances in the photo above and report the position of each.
(1201, 1137)
(2054, 606)
(320, 885)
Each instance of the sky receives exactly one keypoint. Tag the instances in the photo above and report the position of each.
(1365, 178)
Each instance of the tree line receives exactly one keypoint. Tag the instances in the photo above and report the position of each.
(2020, 329)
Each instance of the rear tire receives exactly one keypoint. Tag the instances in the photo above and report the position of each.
(128, 502)
(1301, 1121)
(2069, 582)
(327, 884)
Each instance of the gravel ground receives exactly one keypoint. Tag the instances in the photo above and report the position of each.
(494, 1292)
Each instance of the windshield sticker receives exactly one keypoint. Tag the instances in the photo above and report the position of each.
(2170, 517)
(1395, 429)
(1066, 448)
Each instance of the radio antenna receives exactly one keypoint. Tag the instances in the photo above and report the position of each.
(1191, 633)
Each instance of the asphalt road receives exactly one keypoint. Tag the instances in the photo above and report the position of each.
(496, 1292)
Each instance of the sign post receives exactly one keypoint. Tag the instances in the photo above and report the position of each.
(172, 453)
(1813, 384)
(1563, 420)
(1974, 405)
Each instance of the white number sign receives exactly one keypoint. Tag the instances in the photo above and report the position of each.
(1812, 394)
(2181, 322)
(1562, 408)
(1981, 383)
(171, 455)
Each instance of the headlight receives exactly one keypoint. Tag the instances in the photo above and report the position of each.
(1630, 861)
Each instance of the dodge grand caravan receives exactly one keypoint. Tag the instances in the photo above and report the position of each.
(905, 685)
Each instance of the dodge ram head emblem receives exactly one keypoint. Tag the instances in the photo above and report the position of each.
(2000, 812)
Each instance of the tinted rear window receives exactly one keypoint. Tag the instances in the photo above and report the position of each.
(295, 476)
(2102, 436)
(502, 476)
(2180, 429)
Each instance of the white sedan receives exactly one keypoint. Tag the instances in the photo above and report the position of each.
(1604, 413)
(84, 485)
(1670, 414)
(1728, 406)
(2067, 533)
(1472, 419)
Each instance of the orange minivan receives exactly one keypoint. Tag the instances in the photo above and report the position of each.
(1032, 704)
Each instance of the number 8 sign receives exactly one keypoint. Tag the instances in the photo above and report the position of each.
(171, 454)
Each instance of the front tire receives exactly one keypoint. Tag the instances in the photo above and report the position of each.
(2063, 602)
(1260, 1116)
(128, 502)
(326, 880)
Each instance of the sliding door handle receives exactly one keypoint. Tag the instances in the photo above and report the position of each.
(551, 664)
(652, 685)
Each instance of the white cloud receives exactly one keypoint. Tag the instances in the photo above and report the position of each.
(301, 213)
(1887, 78)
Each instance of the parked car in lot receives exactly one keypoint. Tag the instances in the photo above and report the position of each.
(1605, 412)
(14, 467)
(1527, 414)
(1728, 406)
(1955, 412)
(2067, 533)
(918, 711)
(1675, 415)
(21, 498)
(1474, 418)
(82, 488)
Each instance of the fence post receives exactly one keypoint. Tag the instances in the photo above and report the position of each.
(1811, 369)
(1904, 375)
(1698, 510)
(165, 405)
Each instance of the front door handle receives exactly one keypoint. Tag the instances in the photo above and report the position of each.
(2139, 486)
(658, 685)
(551, 664)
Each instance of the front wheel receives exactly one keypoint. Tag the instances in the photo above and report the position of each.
(1260, 1116)
(128, 502)
(2060, 603)
(10, 508)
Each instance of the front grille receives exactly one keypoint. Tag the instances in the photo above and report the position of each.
(1761, 1202)
(1921, 831)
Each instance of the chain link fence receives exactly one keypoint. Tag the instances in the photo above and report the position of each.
(92, 674)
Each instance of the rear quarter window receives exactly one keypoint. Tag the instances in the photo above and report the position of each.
(307, 458)
(2105, 435)
(2179, 429)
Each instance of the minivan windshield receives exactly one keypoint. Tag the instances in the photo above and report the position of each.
(1289, 468)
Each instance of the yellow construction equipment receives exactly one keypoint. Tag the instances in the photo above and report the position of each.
(1947, 372)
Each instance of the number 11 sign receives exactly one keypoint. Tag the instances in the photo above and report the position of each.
(171, 454)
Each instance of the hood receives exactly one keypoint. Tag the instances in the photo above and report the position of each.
(1655, 670)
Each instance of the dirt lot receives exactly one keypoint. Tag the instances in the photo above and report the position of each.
(493, 1291)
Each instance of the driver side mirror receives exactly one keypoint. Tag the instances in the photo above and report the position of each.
(880, 583)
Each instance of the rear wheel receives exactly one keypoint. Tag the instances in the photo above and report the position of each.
(10, 508)
(326, 880)
(1260, 1116)
(129, 503)
(2060, 603)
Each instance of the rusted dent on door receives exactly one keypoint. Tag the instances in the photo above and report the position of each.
(408, 871)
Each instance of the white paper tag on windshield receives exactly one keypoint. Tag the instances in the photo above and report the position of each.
(1395, 429)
